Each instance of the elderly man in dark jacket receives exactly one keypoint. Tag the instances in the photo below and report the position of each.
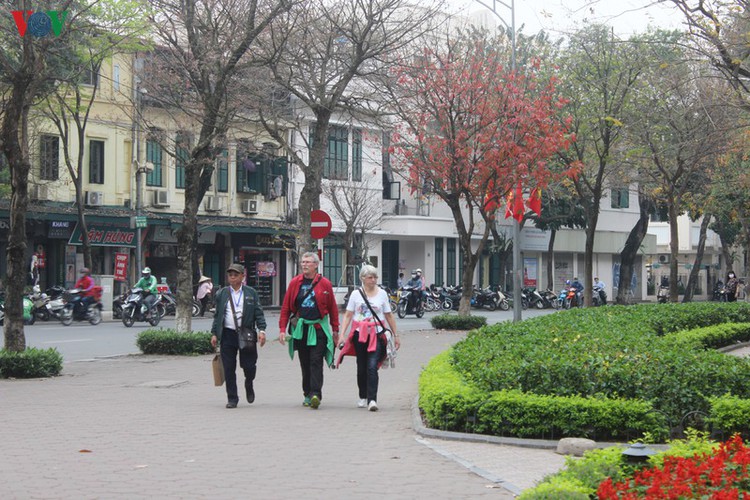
(244, 310)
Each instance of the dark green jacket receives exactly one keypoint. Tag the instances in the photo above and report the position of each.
(252, 313)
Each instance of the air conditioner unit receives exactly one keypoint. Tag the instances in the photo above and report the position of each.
(38, 192)
(161, 198)
(664, 258)
(249, 206)
(94, 198)
(212, 204)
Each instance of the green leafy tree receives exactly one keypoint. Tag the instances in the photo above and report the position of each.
(682, 133)
(30, 67)
(600, 74)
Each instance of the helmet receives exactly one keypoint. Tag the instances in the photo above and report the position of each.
(567, 282)
(418, 271)
(85, 270)
(146, 271)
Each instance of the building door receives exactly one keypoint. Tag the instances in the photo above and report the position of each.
(389, 271)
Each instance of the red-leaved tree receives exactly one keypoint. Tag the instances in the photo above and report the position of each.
(473, 130)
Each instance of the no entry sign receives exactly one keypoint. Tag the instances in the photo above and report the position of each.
(320, 224)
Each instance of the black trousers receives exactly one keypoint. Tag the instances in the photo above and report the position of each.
(230, 346)
(367, 368)
(311, 363)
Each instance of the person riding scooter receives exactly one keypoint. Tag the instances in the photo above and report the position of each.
(147, 283)
(86, 285)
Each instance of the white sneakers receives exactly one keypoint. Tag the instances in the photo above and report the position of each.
(373, 406)
(361, 403)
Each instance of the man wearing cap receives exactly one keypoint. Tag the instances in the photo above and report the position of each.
(309, 297)
(248, 313)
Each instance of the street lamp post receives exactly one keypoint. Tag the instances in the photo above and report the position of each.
(493, 7)
(139, 171)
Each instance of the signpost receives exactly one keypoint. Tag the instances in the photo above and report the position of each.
(320, 227)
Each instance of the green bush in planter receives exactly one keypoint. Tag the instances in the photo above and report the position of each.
(660, 354)
(168, 341)
(449, 321)
(30, 363)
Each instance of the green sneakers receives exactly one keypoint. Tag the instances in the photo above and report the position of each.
(314, 402)
(306, 402)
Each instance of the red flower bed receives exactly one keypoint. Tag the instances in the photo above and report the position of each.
(722, 475)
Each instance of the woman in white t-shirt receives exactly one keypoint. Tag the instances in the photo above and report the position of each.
(363, 341)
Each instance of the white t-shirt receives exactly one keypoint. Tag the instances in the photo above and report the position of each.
(380, 304)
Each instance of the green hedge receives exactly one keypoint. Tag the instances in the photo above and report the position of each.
(449, 321)
(619, 357)
(168, 341)
(30, 363)
(450, 403)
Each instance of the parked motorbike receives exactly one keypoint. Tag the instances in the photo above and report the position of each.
(169, 301)
(40, 301)
(28, 306)
(599, 296)
(719, 292)
(501, 300)
(55, 303)
(483, 298)
(535, 298)
(76, 309)
(410, 302)
(135, 310)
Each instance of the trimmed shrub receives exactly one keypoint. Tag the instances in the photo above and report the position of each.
(450, 403)
(449, 321)
(612, 352)
(168, 341)
(31, 363)
(730, 414)
(589, 372)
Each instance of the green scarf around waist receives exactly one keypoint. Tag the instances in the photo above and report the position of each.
(298, 333)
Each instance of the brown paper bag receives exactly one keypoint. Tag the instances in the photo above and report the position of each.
(218, 369)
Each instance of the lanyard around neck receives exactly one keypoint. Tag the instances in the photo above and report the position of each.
(239, 297)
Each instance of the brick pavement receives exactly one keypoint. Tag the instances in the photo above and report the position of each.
(155, 426)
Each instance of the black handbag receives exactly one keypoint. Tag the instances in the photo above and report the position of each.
(247, 336)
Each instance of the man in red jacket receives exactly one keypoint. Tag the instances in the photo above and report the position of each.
(314, 330)
(86, 284)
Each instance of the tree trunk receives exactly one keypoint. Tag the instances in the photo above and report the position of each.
(588, 259)
(630, 250)
(550, 259)
(727, 255)
(309, 198)
(15, 146)
(693, 279)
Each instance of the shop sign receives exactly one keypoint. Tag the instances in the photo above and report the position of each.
(165, 234)
(121, 266)
(59, 229)
(269, 241)
(105, 237)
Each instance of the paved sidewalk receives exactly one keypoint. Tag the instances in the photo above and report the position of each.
(155, 426)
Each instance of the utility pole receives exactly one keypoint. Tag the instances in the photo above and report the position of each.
(517, 268)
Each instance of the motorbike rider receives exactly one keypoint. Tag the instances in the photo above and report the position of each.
(417, 283)
(599, 288)
(86, 285)
(579, 289)
(147, 283)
